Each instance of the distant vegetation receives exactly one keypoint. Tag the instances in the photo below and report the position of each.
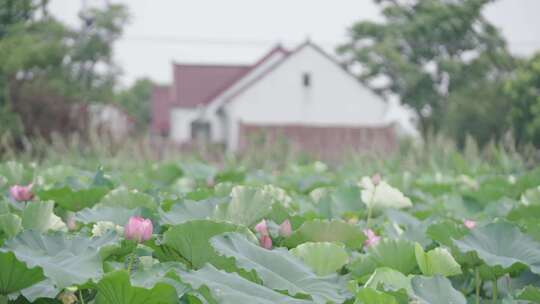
(446, 61)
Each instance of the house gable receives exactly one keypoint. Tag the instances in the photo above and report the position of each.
(307, 88)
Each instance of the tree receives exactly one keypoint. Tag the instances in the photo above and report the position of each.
(43, 60)
(524, 91)
(136, 101)
(422, 52)
(479, 110)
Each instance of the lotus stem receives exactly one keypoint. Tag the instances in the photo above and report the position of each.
(368, 216)
(130, 263)
(477, 284)
(81, 298)
(370, 208)
(495, 291)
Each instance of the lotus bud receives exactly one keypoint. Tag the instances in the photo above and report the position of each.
(67, 297)
(266, 242)
(376, 179)
(470, 224)
(71, 223)
(353, 220)
(372, 238)
(262, 228)
(21, 193)
(285, 228)
(138, 229)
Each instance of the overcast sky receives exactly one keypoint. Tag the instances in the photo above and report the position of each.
(240, 31)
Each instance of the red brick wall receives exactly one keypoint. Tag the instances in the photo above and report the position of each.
(328, 142)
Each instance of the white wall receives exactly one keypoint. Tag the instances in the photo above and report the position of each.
(218, 128)
(181, 120)
(108, 118)
(335, 98)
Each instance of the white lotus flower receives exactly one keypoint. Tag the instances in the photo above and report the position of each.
(382, 195)
(101, 227)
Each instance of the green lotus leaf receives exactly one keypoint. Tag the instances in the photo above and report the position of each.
(39, 216)
(335, 202)
(15, 173)
(230, 288)
(502, 244)
(323, 257)
(192, 241)
(44, 289)
(249, 205)
(523, 212)
(531, 196)
(198, 170)
(4, 206)
(361, 266)
(131, 199)
(164, 173)
(116, 288)
(74, 199)
(433, 290)
(166, 272)
(327, 231)
(67, 260)
(529, 293)
(396, 254)
(190, 210)
(278, 269)
(437, 261)
(16, 275)
(117, 215)
(10, 224)
(389, 277)
(444, 232)
(372, 296)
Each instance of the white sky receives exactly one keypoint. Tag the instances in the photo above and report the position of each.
(240, 31)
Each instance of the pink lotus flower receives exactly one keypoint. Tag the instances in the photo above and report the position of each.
(372, 238)
(470, 224)
(285, 228)
(376, 179)
(266, 242)
(138, 229)
(262, 228)
(21, 193)
(71, 223)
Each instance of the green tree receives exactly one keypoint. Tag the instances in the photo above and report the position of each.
(479, 110)
(524, 91)
(422, 51)
(136, 101)
(47, 65)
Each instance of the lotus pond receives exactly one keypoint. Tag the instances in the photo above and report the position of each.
(190, 232)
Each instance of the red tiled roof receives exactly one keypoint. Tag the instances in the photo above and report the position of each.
(194, 85)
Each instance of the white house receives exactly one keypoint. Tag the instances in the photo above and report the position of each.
(303, 95)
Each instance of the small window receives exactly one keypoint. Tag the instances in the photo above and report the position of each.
(306, 80)
(200, 131)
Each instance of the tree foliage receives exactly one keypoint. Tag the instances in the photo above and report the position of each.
(424, 51)
(135, 100)
(45, 65)
(524, 92)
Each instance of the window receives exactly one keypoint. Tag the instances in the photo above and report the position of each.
(306, 79)
(200, 131)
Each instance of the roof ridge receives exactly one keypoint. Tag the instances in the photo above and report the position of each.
(274, 50)
(210, 65)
